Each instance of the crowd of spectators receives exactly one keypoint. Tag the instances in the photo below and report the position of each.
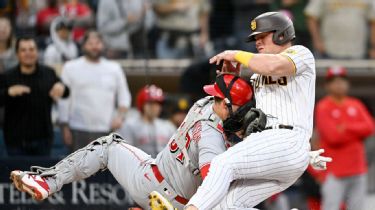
(189, 29)
(92, 98)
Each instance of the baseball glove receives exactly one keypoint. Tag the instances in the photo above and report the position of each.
(254, 121)
(236, 121)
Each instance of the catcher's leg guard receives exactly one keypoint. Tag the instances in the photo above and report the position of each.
(78, 165)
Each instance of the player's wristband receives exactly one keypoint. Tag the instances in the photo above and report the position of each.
(243, 57)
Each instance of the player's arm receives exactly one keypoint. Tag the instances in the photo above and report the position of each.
(267, 64)
(264, 64)
(210, 144)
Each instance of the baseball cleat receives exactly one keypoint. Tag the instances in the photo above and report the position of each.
(34, 185)
(159, 202)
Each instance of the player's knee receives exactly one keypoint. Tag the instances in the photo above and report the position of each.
(97, 151)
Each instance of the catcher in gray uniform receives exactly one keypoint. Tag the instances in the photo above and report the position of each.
(208, 130)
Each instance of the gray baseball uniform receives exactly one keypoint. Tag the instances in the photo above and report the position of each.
(136, 171)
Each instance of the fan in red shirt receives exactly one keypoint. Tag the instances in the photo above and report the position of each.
(46, 16)
(81, 16)
(343, 123)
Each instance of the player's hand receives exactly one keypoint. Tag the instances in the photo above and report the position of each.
(18, 90)
(228, 67)
(319, 162)
(57, 91)
(227, 55)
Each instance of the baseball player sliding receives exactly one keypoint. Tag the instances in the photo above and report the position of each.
(178, 169)
(270, 161)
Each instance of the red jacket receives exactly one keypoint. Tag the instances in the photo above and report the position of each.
(342, 129)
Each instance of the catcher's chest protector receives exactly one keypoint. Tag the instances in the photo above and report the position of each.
(195, 115)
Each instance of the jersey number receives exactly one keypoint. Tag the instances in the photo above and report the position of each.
(173, 147)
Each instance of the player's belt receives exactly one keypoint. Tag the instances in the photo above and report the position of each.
(280, 126)
(160, 178)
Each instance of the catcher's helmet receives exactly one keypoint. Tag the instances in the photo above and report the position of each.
(149, 93)
(235, 89)
(275, 22)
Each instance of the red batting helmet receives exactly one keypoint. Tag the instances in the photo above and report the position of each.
(149, 93)
(240, 91)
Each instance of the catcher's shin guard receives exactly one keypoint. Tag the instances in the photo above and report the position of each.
(78, 165)
(159, 202)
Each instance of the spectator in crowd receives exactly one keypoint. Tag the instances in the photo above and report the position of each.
(122, 24)
(7, 55)
(97, 86)
(80, 15)
(148, 132)
(62, 48)
(244, 12)
(25, 18)
(340, 29)
(343, 123)
(294, 9)
(6, 8)
(221, 25)
(201, 72)
(46, 15)
(183, 27)
(178, 111)
(27, 93)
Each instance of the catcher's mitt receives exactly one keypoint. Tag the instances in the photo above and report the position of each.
(254, 121)
(236, 121)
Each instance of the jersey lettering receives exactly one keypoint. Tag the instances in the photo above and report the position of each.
(262, 80)
(282, 81)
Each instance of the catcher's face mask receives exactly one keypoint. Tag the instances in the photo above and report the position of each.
(235, 122)
(226, 91)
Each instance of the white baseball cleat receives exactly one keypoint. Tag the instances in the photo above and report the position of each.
(159, 202)
(34, 185)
